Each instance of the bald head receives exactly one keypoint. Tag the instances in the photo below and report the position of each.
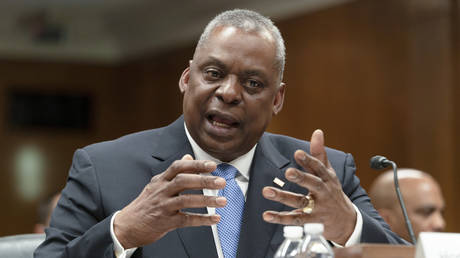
(423, 198)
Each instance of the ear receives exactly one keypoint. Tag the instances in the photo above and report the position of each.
(279, 99)
(184, 78)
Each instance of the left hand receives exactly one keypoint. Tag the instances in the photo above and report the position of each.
(332, 207)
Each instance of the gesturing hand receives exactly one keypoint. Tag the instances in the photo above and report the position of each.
(332, 207)
(157, 210)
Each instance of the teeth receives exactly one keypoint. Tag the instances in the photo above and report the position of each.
(215, 123)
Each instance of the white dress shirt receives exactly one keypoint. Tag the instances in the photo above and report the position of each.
(242, 163)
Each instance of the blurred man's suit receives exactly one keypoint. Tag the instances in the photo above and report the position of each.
(107, 176)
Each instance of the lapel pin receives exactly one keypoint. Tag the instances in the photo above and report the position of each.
(278, 181)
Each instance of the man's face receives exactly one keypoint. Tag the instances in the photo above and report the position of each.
(425, 206)
(231, 90)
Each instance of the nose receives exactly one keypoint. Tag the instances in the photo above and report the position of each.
(438, 222)
(229, 91)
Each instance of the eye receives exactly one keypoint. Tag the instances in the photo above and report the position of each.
(251, 83)
(425, 211)
(212, 74)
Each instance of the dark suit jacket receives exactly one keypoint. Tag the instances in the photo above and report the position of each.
(107, 176)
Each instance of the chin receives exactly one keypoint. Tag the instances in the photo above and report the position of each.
(224, 152)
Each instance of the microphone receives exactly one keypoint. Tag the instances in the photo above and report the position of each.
(379, 162)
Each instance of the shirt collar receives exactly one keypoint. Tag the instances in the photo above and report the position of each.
(242, 163)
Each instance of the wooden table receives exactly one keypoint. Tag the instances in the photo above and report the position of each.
(375, 251)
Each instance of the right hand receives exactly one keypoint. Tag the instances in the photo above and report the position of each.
(157, 210)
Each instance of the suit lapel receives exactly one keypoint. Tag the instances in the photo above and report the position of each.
(257, 237)
(256, 234)
(172, 145)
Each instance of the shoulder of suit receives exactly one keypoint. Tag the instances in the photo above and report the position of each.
(131, 142)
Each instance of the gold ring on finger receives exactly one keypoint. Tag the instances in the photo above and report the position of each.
(310, 206)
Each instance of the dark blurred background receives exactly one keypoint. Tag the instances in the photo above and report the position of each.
(379, 77)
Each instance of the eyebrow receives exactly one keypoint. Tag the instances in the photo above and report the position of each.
(429, 208)
(214, 60)
(254, 72)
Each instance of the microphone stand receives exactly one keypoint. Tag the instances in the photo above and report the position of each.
(401, 202)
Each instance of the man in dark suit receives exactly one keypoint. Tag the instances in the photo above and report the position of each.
(162, 193)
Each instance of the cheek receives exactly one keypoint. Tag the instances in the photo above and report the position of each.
(261, 105)
(195, 97)
(203, 92)
(419, 222)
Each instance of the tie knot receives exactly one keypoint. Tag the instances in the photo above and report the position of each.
(226, 171)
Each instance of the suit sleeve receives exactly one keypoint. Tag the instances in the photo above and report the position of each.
(79, 227)
(374, 230)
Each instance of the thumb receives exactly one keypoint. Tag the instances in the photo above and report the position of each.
(317, 148)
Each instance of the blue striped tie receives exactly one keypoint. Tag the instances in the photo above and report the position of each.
(230, 221)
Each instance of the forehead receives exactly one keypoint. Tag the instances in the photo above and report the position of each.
(422, 192)
(231, 44)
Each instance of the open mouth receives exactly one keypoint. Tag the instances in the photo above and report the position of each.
(222, 121)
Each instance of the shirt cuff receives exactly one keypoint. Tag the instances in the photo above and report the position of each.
(356, 235)
(119, 251)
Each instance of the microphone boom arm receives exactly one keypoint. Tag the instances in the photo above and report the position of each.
(401, 202)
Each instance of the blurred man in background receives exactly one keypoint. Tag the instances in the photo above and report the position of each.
(45, 209)
(422, 196)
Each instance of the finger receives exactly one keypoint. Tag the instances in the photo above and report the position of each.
(295, 217)
(187, 157)
(189, 166)
(188, 219)
(194, 201)
(194, 182)
(312, 164)
(290, 199)
(313, 183)
(317, 148)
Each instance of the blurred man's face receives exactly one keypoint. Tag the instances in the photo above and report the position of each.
(425, 206)
(231, 90)
(39, 228)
